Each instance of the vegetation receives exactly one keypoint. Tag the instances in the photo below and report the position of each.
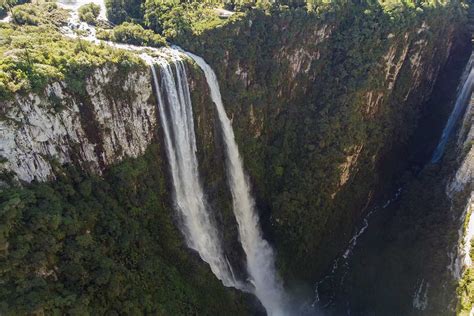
(46, 13)
(174, 21)
(85, 245)
(119, 11)
(89, 12)
(7, 5)
(465, 290)
(32, 56)
(174, 18)
(111, 244)
(131, 33)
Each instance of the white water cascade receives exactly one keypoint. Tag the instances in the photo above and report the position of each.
(260, 258)
(461, 101)
(176, 114)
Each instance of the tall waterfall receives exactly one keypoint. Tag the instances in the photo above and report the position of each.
(176, 114)
(260, 259)
(461, 102)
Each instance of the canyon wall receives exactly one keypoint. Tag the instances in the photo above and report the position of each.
(318, 108)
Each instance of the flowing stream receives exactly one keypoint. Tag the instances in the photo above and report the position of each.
(7, 18)
(75, 26)
(260, 258)
(334, 280)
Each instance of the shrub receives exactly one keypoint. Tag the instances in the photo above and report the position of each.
(39, 14)
(6, 5)
(26, 15)
(89, 12)
(31, 56)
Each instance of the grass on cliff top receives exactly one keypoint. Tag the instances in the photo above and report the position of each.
(33, 55)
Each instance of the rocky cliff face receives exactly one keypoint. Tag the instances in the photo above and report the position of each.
(465, 173)
(461, 190)
(113, 118)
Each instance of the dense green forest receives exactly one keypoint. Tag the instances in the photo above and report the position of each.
(85, 245)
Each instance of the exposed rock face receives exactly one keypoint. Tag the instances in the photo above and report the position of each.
(351, 160)
(461, 192)
(394, 64)
(465, 174)
(114, 119)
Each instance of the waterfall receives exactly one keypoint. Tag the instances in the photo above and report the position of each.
(461, 101)
(260, 259)
(174, 104)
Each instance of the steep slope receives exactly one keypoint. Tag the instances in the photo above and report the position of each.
(331, 94)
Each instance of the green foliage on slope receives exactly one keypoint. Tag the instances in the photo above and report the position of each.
(84, 245)
(119, 11)
(7, 5)
(465, 290)
(298, 122)
(32, 56)
(407, 243)
(175, 20)
(465, 286)
(46, 13)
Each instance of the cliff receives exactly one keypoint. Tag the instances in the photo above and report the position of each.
(114, 117)
(335, 95)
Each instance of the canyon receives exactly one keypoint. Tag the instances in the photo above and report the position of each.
(279, 164)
